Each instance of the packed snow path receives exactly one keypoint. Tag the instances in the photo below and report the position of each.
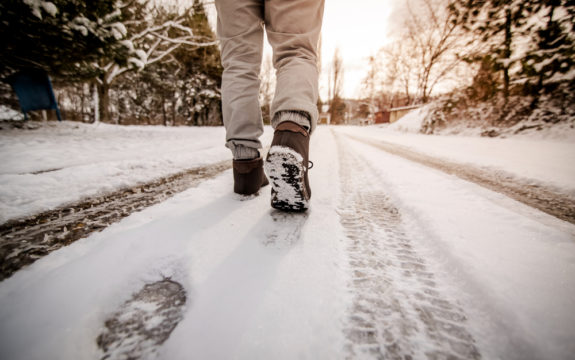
(394, 260)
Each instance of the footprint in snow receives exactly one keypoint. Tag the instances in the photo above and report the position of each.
(143, 322)
(285, 231)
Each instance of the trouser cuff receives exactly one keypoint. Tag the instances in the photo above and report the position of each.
(243, 151)
(302, 118)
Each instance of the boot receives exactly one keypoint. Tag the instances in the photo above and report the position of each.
(249, 176)
(287, 166)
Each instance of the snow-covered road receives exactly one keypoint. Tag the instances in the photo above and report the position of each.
(394, 259)
(512, 264)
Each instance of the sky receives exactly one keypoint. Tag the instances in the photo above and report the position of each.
(359, 28)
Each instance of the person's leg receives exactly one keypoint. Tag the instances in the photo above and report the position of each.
(293, 29)
(240, 30)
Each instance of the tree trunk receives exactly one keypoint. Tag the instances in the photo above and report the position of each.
(407, 92)
(104, 102)
(173, 111)
(507, 54)
(83, 105)
(96, 104)
(164, 110)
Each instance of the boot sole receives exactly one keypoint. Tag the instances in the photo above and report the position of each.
(284, 166)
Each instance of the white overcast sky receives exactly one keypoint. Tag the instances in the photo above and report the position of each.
(359, 28)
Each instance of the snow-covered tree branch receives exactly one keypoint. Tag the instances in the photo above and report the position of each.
(150, 40)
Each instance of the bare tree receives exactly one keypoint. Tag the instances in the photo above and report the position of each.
(425, 53)
(371, 81)
(336, 75)
(435, 36)
(372, 84)
(335, 81)
(399, 69)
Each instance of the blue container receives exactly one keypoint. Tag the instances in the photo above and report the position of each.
(34, 90)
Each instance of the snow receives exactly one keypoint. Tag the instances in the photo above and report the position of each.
(519, 265)
(280, 163)
(37, 5)
(561, 77)
(129, 45)
(244, 290)
(47, 6)
(563, 131)
(81, 24)
(8, 114)
(137, 62)
(62, 163)
(50, 8)
(262, 284)
(209, 93)
(412, 121)
(543, 161)
(119, 30)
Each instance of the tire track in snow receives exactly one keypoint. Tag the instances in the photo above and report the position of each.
(398, 311)
(24, 241)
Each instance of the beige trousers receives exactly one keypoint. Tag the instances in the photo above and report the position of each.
(293, 29)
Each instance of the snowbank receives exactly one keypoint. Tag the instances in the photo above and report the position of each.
(412, 122)
(429, 119)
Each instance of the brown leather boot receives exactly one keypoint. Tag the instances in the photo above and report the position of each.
(287, 166)
(249, 176)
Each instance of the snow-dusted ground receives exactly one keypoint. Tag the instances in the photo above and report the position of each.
(515, 263)
(461, 268)
(60, 163)
(241, 269)
(545, 161)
